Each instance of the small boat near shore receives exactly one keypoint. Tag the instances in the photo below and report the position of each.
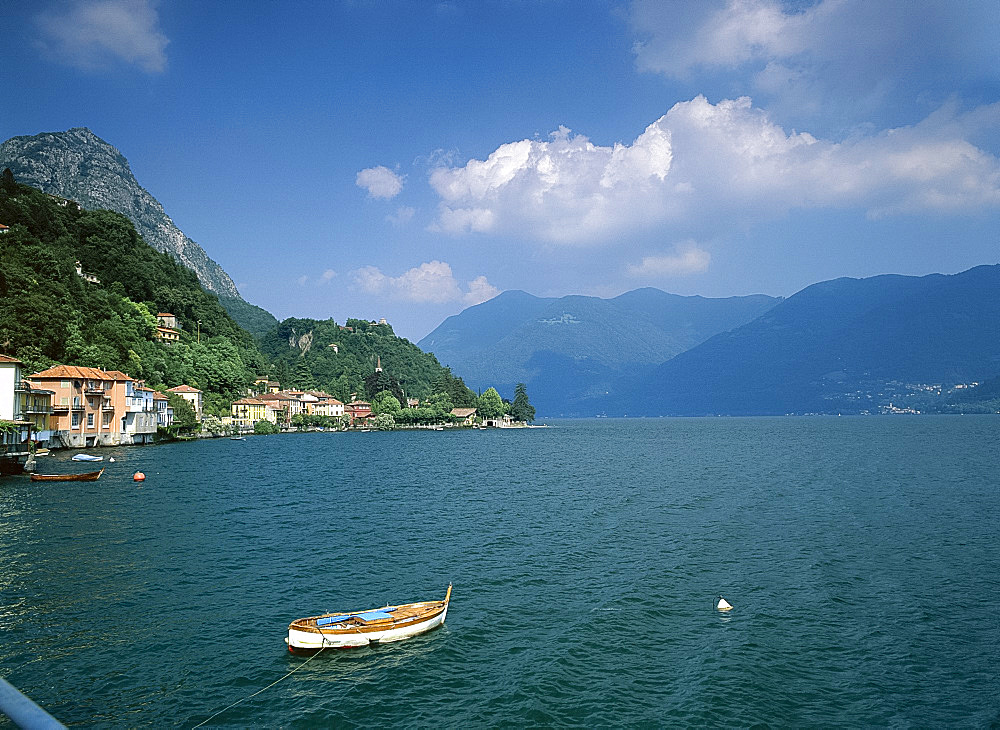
(364, 628)
(87, 457)
(237, 438)
(90, 476)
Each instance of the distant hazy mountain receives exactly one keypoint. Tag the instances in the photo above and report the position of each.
(837, 346)
(80, 166)
(571, 349)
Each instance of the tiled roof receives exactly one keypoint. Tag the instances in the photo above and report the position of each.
(159, 396)
(4, 358)
(463, 412)
(164, 314)
(117, 375)
(73, 371)
(249, 402)
(183, 389)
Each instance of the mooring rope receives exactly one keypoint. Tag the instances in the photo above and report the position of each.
(268, 686)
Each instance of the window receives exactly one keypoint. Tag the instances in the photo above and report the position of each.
(76, 420)
(64, 401)
(106, 419)
(76, 401)
(64, 384)
(90, 420)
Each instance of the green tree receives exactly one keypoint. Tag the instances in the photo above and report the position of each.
(490, 405)
(185, 419)
(8, 185)
(521, 409)
(384, 422)
(265, 428)
(385, 402)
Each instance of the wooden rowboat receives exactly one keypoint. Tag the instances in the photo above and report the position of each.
(90, 476)
(365, 628)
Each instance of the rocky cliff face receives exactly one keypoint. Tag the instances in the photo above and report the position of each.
(81, 166)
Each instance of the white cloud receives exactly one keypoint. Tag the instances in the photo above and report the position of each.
(837, 62)
(380, 182)
(303, 279)
(89, 34)
(701, 163)
(327, 275)
(430, 283)
(565, 190)
(480, 291)
(687, 259)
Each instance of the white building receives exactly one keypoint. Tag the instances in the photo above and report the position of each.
(139, 419)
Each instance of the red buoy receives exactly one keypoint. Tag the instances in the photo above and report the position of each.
(138, 477)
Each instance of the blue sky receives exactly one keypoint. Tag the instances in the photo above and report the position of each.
(408, 159)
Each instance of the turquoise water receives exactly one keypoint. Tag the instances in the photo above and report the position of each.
(860, 555)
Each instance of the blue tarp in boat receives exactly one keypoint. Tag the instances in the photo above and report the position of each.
(365, 615)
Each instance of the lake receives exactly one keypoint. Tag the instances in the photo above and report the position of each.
(859, 554)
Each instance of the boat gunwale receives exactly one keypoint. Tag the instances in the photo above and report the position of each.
(368, 626)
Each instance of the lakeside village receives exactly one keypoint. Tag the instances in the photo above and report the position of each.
(68, 406)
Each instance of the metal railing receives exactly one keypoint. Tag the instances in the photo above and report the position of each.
(22, 711)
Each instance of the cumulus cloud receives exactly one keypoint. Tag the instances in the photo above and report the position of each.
(380, 182)
(700, 161)
(430, 283)
(90, 34)
(686, 259)
(566, 189)
(327, 275)
(480, 291)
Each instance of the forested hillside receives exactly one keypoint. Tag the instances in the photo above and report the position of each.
(341, 359)
(49, 314)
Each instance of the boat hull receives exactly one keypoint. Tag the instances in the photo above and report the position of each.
(366, 628)
(310, 642)
(91, 476)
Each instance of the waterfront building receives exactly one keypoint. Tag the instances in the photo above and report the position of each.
(14, 447)
(163, 409)
(358, 411)
(247, 411)
(138, 414)
(84, 404)
(468, 415)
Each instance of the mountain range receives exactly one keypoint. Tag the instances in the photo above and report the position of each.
(80, 166)
(573, 349)
(839, 346)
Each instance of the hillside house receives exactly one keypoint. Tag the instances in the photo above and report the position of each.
(191, 395)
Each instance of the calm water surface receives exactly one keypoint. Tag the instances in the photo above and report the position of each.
(860, 555)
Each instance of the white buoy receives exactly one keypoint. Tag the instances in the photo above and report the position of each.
(723, 605)
(111, 459)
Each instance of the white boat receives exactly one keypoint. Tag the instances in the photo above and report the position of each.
(237, 438)
(364, 628)
(87, 457)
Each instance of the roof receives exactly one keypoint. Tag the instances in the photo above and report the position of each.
(463, 412)
(117, 375)
(3, 227)
(80, 373)
(164, 314)
(4, 358)
(249, 402)
(158, 395)
(183, 389)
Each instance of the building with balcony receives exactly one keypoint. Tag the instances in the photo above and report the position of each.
(164, 411)
(85, 404)
(138, 416)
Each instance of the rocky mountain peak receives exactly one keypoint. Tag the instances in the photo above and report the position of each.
(79, 165)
